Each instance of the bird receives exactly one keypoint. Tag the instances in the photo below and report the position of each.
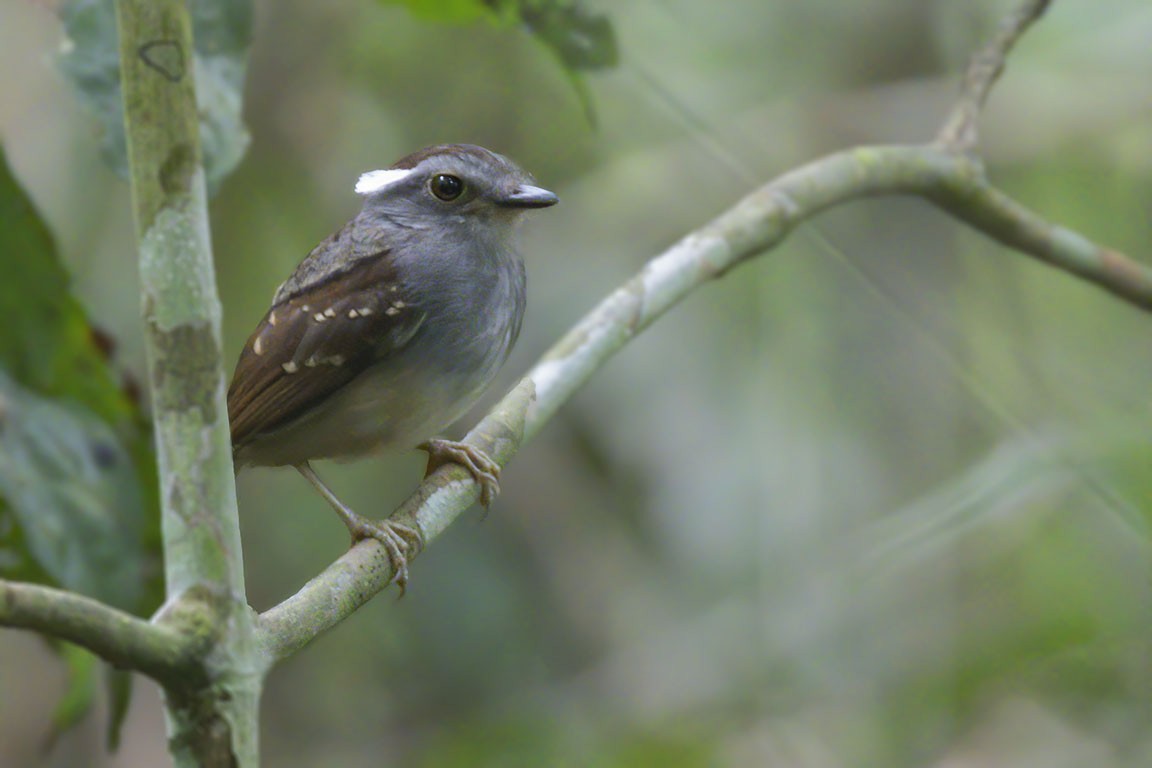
(391, 328)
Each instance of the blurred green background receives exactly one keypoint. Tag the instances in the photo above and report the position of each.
(880, 498)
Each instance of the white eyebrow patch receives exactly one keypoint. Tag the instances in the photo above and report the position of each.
(374, 181)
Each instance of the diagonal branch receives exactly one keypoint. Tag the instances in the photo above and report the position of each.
(762, 220)
(959, 131)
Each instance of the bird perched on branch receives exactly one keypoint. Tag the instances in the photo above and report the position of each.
(391, 328)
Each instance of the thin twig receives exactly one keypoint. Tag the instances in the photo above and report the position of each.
(960, 130)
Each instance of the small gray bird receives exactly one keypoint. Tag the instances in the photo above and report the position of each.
(391, 328)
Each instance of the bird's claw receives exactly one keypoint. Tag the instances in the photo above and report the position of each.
(399, 541)
(484, 470)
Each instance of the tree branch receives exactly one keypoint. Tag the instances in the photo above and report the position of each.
(364, 570)
(181, 308)
(757, 223)
(124, 641)
(959, 131)
(211, 723)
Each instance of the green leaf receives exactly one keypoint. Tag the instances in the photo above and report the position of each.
(90, 58)
(79, 693)
(73, 490)
(53, 360)
(223, 33)
(118, 687)
(580, 39)
(78, 495)
(47, 343)
(461, 11)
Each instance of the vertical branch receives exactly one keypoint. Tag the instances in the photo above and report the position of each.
(215, 723)
(181, 308)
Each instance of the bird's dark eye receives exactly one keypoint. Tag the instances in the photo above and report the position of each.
(446, 187)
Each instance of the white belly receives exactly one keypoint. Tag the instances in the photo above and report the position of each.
(374, 412)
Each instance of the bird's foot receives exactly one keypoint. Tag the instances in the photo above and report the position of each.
(399, 541)
(483, 468)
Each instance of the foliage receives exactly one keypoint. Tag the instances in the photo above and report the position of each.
(77, 476)
(580, 39)
(223, 31)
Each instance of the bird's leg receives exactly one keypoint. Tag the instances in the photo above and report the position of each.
(397, 539)
(484, 470)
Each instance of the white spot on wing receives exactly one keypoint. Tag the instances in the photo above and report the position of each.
(374, 181)
(333, 360)
(290, 366)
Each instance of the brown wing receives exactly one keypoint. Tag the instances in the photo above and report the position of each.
(309, 346)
